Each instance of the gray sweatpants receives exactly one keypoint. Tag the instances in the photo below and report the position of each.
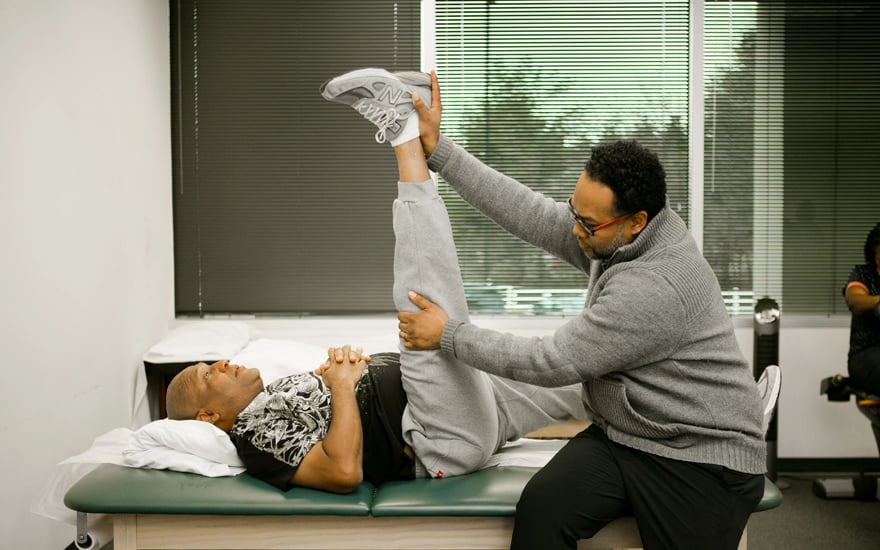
(457, 416)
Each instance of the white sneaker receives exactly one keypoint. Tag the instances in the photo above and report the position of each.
(382, 98)
(768, 386)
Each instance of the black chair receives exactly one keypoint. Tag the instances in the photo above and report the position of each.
(863, 486)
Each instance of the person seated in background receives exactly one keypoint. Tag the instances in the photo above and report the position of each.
(862, 294)
(391, 415)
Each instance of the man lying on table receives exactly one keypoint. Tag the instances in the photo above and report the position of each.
(389, 416)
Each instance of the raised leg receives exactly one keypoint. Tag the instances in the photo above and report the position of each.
(451, 420)
(457, 415)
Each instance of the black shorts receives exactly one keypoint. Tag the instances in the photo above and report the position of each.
(382, 400)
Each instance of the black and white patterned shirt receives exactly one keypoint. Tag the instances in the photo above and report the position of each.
(281, 425)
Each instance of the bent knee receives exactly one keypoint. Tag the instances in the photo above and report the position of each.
(552, 510)
(539, 498)
(450, 458)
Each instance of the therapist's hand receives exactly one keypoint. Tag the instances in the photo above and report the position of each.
(429, 118)
(422, 329)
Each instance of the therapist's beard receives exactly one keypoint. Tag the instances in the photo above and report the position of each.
(608, 250)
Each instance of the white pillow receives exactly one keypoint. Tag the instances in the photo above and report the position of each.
(185, 446)
(201, 340)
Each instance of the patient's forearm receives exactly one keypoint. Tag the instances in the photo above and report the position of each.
(335, 463)
(344, 443)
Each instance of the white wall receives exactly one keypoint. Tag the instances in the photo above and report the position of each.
(85, 218)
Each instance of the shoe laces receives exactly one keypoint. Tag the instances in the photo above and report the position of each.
(381, 117)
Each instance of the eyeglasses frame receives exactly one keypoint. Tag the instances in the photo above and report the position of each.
(591, 229)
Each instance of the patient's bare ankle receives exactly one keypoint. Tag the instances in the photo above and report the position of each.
(411, 163)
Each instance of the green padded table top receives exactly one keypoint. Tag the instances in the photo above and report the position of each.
(115, 489)
(491, 492)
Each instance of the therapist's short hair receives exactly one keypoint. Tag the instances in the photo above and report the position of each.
(633, 173)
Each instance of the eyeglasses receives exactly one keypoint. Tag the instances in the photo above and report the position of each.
(591, 229)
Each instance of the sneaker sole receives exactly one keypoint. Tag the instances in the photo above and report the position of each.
(774, 390)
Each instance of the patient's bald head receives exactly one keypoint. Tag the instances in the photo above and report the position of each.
(181, 401)
(214, 393)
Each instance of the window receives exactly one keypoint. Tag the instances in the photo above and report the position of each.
(529, 87)
(271, 212)
(791, 186)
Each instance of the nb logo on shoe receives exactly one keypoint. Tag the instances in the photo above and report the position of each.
(388, 94)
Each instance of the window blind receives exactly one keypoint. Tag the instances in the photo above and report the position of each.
(791, 186)
(529, 87)
(282, 201)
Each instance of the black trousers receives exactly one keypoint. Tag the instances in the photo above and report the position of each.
(677, 505)
(864, 369)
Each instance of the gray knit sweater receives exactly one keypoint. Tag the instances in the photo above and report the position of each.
(654, 345)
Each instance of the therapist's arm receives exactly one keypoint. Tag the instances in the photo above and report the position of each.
(336, 463)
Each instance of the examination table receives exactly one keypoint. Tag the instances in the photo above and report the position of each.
(166, 510)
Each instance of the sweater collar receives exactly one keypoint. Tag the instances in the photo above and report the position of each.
(664, 229)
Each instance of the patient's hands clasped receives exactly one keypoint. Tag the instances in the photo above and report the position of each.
(343, 365)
